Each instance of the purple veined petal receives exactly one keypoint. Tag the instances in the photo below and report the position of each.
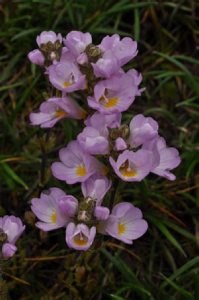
(47, 210)
(73, 109)
(133, 166)
(123, 50)
(120, 144)
(8, 250)
(142, 130)
(101, 213)
(39, 118)
(68, 205)
(125, 223)
(47, 206)
(47, 226)
(135, 229)
(55, 193)
(96, 187)
(137, 79)
(65, 107)
(36, 57)
(44, 120)
(77, 41)
(78, 173)
(2, 220)
(80, 237)
(114, 95)
(58, 170)
(103, 226)
(66, 77)
(152, 146)
(109, 41)
(48, 36)
(55, 109)
(67, 56)
(71, 154)
(98, 168)
(99, 121)
(76, 165)
(82, 59)
(169, 159)
(55, 219)
(106, 66)
(109, 226)
(13, 228)
(93, 142)
(127, 209)
(43, 211)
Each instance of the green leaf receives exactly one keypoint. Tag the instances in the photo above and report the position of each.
(181, 271)
(181, 291)
(13, 175)
(160, 225)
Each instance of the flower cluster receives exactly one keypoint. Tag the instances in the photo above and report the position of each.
(84, 218)
(10, 230)
(91, 85)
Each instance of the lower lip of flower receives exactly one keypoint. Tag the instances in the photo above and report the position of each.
(60, 114)
(111, 103)
(126, 171)
(108, 102)
(121, 228)
(80, 240)
(80, 170)
(66, 84)
(53, 217)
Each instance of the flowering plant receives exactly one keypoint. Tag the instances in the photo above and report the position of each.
(11, 228)
(106, 149)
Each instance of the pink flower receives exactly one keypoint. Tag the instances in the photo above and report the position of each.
(76, 165)
(169, 159)
(12, 227)
(80, 237)
(123, 50)
(55, 109)
(8, 250)
(125, 223)
(94, 137)
(48, 36)
(82, 59)
(142, 130)
(96, 187)
(116, 94)
(36, 57)
(94, 141)
(76, 42)
(101, 121)
(115, 53)
(66, 76)
(106, 66)
(101, 213)
(54, 209)
(120, 144)
(133, 166)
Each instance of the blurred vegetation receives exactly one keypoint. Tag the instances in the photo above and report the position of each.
(163, 264)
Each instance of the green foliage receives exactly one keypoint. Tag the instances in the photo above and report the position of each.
(163, 264)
